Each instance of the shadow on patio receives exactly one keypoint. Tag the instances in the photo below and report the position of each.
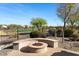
(64, 53)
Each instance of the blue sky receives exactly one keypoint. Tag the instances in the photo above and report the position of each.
(23, 13)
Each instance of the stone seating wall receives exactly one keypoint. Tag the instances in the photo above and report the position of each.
(51, 42)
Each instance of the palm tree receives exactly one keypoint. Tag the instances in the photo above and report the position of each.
(74, 19)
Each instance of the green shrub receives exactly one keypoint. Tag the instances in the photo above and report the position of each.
(68, 32)
(59, 32)
(51, 32)
(36, 34)
(74, 37)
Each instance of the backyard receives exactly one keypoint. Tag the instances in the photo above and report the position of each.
(41, 39)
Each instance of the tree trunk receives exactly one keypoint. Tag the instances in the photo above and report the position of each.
(63, 31)
(65, 20)
(17, 34)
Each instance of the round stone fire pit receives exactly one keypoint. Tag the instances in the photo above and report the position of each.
(38, 47)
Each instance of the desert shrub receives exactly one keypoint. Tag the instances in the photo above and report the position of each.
(74, 37)
(59, 32)
(51, 32)
(68, 32)
(37, 34)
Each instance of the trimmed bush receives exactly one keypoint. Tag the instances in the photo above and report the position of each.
(51, 32)
(37, 34)
(68, 32)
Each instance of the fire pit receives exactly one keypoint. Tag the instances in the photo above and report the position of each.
(38, 47)
(37, 44)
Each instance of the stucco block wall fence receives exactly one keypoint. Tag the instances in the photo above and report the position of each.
(25, 42)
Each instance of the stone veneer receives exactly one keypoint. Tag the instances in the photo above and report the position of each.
(25, 42)
(51, 42)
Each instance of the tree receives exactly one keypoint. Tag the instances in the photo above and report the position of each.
(73, 18)
(63, 12)
(77, 17)
(38, 23)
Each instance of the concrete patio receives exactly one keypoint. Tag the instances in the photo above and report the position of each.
(50, 52)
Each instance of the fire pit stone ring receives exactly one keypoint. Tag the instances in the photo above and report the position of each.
(38, 47)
